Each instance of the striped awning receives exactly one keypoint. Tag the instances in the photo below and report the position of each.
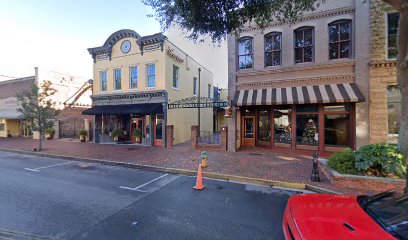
(332, 93)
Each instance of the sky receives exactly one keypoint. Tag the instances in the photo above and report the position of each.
(55, 35)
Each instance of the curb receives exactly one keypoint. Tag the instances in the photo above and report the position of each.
(232, 178)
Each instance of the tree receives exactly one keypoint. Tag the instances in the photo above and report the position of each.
(37, 108)
(218, 18)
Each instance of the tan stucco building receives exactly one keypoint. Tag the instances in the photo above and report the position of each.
(135, 78)
(302, 87)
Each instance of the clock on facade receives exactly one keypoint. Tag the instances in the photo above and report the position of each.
(125, 46)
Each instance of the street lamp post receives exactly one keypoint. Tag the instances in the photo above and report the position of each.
(199, 98)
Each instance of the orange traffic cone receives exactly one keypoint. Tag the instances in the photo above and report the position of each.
(199, 183)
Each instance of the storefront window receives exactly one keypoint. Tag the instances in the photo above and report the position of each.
(393, 112)
(307, 129)
(264, 128)
(283, 125)
(337, 129)
(2, 124)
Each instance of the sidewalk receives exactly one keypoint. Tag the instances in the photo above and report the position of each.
(251, 162)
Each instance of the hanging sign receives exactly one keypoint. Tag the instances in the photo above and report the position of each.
(170, 52)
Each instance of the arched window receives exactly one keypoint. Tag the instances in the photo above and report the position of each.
(304, 44)
(340, 39)
(273, 49)
(245, 53)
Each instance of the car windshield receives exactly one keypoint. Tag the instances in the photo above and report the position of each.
(389, 211)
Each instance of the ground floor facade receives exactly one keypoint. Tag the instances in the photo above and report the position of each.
(300, 119)
(13, 128)
(144, 118)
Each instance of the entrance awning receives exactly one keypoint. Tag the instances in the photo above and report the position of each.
(145, 108)
(333, 93)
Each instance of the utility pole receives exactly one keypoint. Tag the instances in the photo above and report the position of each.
(199, 98)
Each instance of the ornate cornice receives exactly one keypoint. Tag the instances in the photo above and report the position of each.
(323, 14)
(295, 68)
(383, 64)
(124, 33)
(298, 81)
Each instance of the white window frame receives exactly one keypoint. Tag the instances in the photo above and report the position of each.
(130, 77)
(147, 75)
(177, 87)
(106, 80)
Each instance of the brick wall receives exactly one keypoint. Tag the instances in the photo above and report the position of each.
(373, 184)
(71, 120)
(169, 135)
(223, 146)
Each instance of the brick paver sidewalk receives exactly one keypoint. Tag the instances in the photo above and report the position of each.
(251, 162)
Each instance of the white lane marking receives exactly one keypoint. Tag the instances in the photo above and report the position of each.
(137, 188)
(55, 165)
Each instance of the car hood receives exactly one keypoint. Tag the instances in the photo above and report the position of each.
(323, 216)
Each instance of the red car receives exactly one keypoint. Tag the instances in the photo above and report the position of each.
(323, 217)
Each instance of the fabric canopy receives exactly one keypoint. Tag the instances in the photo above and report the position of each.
(333, 93)
(145, 108)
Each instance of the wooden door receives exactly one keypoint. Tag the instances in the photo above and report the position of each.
(248, 131)
(158, 133)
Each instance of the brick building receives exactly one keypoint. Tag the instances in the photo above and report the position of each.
(302, 87)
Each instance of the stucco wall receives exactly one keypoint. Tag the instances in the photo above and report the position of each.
(184, 118)
(11, 126)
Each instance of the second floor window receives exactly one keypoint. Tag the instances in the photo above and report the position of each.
(245, 53)
(392, 23)
(117, 74)
(151, 75)
(133, 77)
(175, 76)
(340, 39)
(304, 44)
(273, 48)
(195, 86)
(209, 90)
(104, 83)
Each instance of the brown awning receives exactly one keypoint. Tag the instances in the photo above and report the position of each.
(332, 93)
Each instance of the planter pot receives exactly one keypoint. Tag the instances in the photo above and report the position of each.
(49, 136)
(116, 139)
(82, 138)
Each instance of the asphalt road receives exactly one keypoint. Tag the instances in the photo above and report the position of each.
(47, 198)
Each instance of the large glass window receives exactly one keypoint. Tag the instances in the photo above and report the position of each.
(273, 49)
(307, 129)
(282, 119)
(195, 86)
(2, 124)
(175, 76)
(104, 84)
(264, 128)
(392, 23)
(304, 44)
(117, 73)
(245, 53)
(337, 129)
(151, 75)
(340, 39)
(133, 77)
(393, 112)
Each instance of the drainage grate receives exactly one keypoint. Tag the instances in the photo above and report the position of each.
(256, 154)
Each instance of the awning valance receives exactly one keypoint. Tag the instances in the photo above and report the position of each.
(332, 93)
(145, 108)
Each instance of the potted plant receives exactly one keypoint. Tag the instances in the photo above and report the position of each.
(82, 134)
(116, 133)
(137, 134)
(49, 133)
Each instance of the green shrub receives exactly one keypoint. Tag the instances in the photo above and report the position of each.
(343, 162)
(380, 159)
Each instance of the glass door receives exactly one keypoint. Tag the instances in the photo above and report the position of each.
(158, 133)
(248, 130)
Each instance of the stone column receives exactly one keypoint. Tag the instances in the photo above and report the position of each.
(57, 129)
(87, 127)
